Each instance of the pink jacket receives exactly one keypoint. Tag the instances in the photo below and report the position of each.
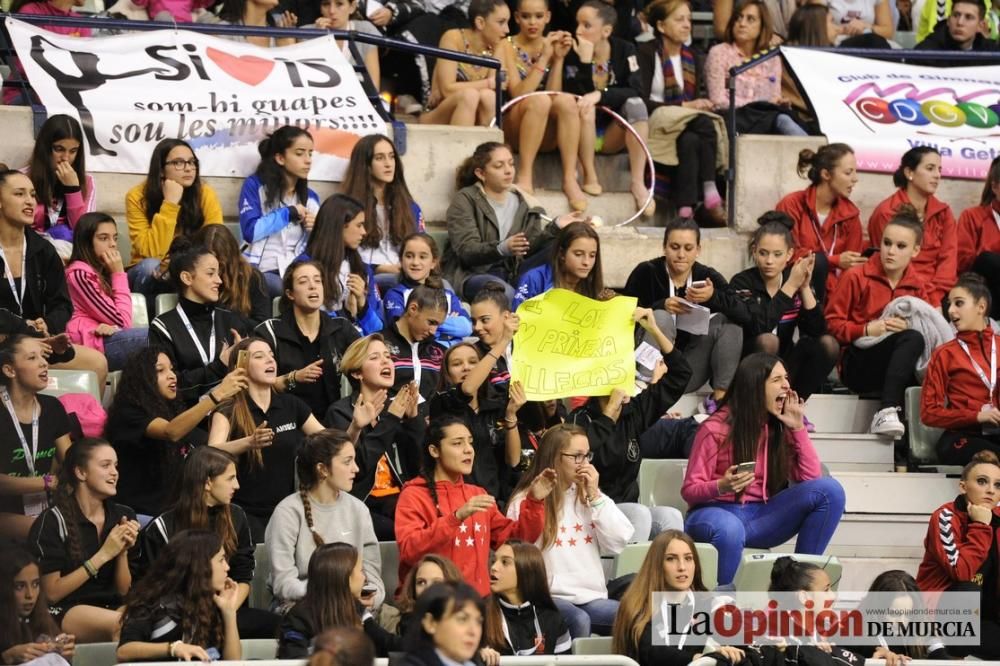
(179, 9)
(93, 306)
(76, 206)
(712, 455)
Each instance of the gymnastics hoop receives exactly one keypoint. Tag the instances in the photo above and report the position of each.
(614, 116)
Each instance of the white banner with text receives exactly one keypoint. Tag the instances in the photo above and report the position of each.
(132, 91)
(882, 109)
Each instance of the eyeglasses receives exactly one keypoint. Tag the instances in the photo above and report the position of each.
(183, 164)
(580, 457)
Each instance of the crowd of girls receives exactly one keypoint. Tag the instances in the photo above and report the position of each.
(231, 427)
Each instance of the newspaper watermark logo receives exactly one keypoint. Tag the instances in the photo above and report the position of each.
(895, 618)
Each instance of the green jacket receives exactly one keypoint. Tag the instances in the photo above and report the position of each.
(474, 234)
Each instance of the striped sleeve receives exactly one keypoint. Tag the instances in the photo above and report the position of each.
(90, 299)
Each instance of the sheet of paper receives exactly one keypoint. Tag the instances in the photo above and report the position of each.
(695, 321)
(373, 6)
(646, 356)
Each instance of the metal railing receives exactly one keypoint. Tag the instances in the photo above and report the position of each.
(223, 30)
(896, 55)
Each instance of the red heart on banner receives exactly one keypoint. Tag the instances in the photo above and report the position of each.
(247, 68)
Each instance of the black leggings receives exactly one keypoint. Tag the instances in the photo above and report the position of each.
(889, 367)
(989, 629)
(987, 264)
(696, 147)
(809, 363)
(957, 448)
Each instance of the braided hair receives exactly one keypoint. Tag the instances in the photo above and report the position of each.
(317, 449)
(435, 435)
(77, 457)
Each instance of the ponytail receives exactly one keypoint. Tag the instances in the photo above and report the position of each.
(466, 175)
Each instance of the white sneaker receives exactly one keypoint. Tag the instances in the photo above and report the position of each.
(886, 423)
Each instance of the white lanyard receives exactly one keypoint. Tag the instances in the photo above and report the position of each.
(539, 637)
(990, 383)
(996, 217)
(210, 356)
(665, 613)
(54, 212)
(32, 453)
(819, 233)
(672, 290)
(417, 368)
(9, 274)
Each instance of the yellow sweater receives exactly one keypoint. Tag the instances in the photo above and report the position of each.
(152, 238)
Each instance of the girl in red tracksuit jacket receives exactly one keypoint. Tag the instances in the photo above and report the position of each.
(979, 235)
(960, 389)
(826, 222)
(917, 178)
(439, 513)
(855, 311)
(960, 549)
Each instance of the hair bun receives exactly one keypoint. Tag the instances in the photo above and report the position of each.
(776, 217)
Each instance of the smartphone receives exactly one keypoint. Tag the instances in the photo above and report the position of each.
(743, 468)
(368, 590)
(241, 358)
(700, 284)
(869, 251)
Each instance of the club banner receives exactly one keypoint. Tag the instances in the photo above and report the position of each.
(132, 91)
(882, 109)
(568, 345)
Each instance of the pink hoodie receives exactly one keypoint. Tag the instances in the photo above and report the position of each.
(179, 9)
(712, 455)
(92, 305)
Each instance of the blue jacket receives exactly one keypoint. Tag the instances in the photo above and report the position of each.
(369, 320)
(258, 224)
(536, 281)
(456, 326)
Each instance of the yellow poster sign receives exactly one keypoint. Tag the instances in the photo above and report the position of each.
(570, 345)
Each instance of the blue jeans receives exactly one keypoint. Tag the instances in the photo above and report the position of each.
(811, 509)
(141, 280)
(275, 285)
(597, 616)
(649, 521)
(476, 282)
(121, 345)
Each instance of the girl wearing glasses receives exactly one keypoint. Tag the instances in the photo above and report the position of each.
(581, 522)
(172, 201)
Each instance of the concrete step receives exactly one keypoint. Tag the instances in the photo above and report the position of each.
(875, 535)
(897, 494)
(612, 172)
(840, 413)
(859, 572)
(850, 452)
(612, 207)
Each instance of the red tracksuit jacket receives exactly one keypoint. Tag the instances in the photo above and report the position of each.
(840, 232)
(861, 295)
(422, 529)
(955, 548)
(937, 262)
(953, 393)
(978, 232)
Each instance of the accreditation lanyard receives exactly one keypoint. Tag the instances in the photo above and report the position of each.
(539, 636)
(990, 383)
(666, 631)
(814, 218)
(32, 453)
(417, 368)
(996, 217)
(672, 290)
(9, 274)
(210, 356)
